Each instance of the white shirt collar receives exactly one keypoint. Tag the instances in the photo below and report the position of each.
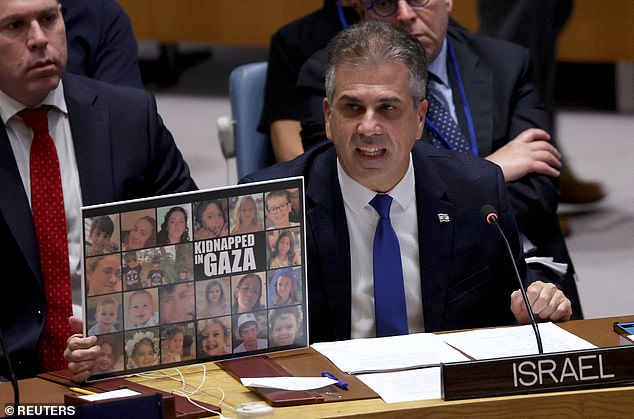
(357, 196)
(9, 106)
(438, 67)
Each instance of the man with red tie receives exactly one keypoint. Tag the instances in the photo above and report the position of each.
(66, 141)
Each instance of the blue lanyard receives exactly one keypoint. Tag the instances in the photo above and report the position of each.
(465, 107)
(342, 17)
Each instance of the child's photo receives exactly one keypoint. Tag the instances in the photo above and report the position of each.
(278, 207)
(102, 235)
(212, 219)
(131, 271)
(283, 248)
(141, 308)
(214, 337)
(285, 327)
(213, 298)
(284, 287)
(142, 348)
(110, 358)
(178, 343)
(246, 214)
(106, 314)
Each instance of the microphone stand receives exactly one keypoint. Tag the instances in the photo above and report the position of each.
(492, 218)
(14, 381)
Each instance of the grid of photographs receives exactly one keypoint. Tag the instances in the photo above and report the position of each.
(195, 277)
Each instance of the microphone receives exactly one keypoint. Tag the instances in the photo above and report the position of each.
(490, 215)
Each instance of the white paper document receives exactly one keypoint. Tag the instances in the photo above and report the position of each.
(124, 392)
(393, 353)
(405, 386)
(560, 268)
(288, 383)
(514, 341)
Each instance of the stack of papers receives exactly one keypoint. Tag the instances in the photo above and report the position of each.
(396, 367)
(394, 353)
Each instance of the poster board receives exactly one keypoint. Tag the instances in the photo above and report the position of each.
(195, 277)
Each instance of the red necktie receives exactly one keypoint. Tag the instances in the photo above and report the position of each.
(47, 204)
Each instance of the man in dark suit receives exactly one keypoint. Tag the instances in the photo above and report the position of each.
(111, 145)
(290, 46)
(101, 43)
(456, 272)
(487, 86)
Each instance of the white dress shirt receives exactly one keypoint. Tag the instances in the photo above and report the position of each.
(362, 220)
(441, 88)
(20, 136)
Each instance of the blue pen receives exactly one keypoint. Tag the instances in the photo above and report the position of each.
(340, 383)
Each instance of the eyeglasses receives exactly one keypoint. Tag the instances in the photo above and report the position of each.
(279, 208)
(387, 8)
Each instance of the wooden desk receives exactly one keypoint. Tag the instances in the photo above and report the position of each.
(613, 402)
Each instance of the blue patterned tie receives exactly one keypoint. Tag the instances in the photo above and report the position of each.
(439, 120)
(389, 293)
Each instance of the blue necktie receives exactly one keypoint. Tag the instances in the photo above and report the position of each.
(441, 126)
(389, 293)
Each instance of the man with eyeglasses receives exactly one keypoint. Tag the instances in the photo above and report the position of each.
(485, 87)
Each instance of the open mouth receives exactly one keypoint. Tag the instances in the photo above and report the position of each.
(370, 151)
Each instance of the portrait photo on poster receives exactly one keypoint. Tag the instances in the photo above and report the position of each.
(195, 277)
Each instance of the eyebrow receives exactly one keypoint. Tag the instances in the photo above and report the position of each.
(386, 99)
(37, 14)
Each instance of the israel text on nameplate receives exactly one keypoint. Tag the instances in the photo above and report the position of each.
(574, 370)
(195, 277)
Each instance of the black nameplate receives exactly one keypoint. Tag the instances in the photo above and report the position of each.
(575, 370)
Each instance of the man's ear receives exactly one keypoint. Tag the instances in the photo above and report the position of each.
(327, 113)
(421, 111)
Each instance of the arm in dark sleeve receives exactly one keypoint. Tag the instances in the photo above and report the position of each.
(101, 43)
(117, 58)
(311, 90)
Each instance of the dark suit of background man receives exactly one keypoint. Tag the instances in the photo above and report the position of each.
(500, 104)
(113, 146)
(456, 271)
(101, 43)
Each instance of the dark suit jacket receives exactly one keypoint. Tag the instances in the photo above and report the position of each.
(101, 43)
(503, 101)
(123, 151)
(466, 272)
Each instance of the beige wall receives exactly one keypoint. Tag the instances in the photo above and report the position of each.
(599, 31)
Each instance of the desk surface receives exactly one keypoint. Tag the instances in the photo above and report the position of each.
(612, 402)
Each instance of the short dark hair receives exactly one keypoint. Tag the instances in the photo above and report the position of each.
(376, 42)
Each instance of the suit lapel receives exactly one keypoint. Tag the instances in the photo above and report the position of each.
(327, 220)
(478, 84)
(89, 124)
(435, 234)
(15, 207)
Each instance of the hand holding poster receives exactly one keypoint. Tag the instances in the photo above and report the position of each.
(195, 277)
